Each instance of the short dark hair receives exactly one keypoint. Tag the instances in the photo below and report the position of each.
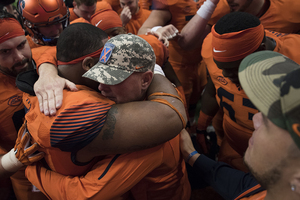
(79, 39)
(236, 21)
(85, 2)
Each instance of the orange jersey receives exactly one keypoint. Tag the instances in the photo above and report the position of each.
(137, 21)
(282, 15)
(11, 112)
(160, 50)
(76, 124)
(182, 11)
(238, 110)
(155, 173)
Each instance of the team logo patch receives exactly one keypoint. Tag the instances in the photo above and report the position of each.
(106, 52)
(21, 6)
(222, 80)
(15, 100)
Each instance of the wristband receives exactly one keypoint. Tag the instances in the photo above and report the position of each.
(206, 10)
(10, 163)
(158, 70)
(154, 29)
(191, 155)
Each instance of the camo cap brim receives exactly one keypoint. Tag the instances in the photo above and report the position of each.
(121, 56)
(271, 81)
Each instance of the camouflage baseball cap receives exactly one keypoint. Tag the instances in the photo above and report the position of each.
(271, 81)
(121, 56)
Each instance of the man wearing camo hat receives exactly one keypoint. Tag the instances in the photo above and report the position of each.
(125, 68)
(271, 81)
(154, 173)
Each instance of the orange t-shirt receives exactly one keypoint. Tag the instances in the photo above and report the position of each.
(155, 173)
(11, 112)
(282, 16)
(76, 124)
(137, 21)
(238, 110)
(182, 11)
(160, 50)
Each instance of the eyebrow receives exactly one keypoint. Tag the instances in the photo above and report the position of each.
(23, 42)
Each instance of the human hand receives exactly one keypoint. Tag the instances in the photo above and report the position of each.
(186, 144)
(125, 15)
(165, 33)
(49, 91)
(23, 152)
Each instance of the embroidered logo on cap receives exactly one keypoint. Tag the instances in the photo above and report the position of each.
(106, 52)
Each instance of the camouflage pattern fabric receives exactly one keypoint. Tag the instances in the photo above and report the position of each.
(121, 56)
(271, 81)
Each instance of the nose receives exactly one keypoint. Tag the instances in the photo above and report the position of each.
(18, 56)
(102, 87)
(257, 120)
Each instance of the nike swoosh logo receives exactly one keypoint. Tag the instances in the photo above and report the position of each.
(98, 23)
(218, 51)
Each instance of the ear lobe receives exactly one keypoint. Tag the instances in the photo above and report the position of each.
(295, 183)
(147, 79)
(88, 63)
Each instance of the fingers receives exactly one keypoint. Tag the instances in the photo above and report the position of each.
(71, 86)
(169, 31)
(36, 157)
(24, 141)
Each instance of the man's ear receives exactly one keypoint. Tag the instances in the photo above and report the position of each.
(147, 79)
(295, 183)
(88, 63)
(74, 4)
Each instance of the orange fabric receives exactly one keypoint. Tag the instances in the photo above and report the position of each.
(155, 173)
(237, 122)
(11, 118)
(258, 196)
(204, 121)
(23, 189)
(146, 4)
(186, 63)
(106, 19)
(235, 46)
(11, 111)
(58, 141)
(44, 54)
(115, 4)
(101, 5)
(77, 60)
(160, 50)
(282, 16)
(10, 28)
(137, 21)
(79, 20)
(73, 16)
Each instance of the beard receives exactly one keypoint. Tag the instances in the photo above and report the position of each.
(14, 71)
(269, 178)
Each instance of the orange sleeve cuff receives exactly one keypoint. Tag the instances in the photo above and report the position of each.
(204, 121)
